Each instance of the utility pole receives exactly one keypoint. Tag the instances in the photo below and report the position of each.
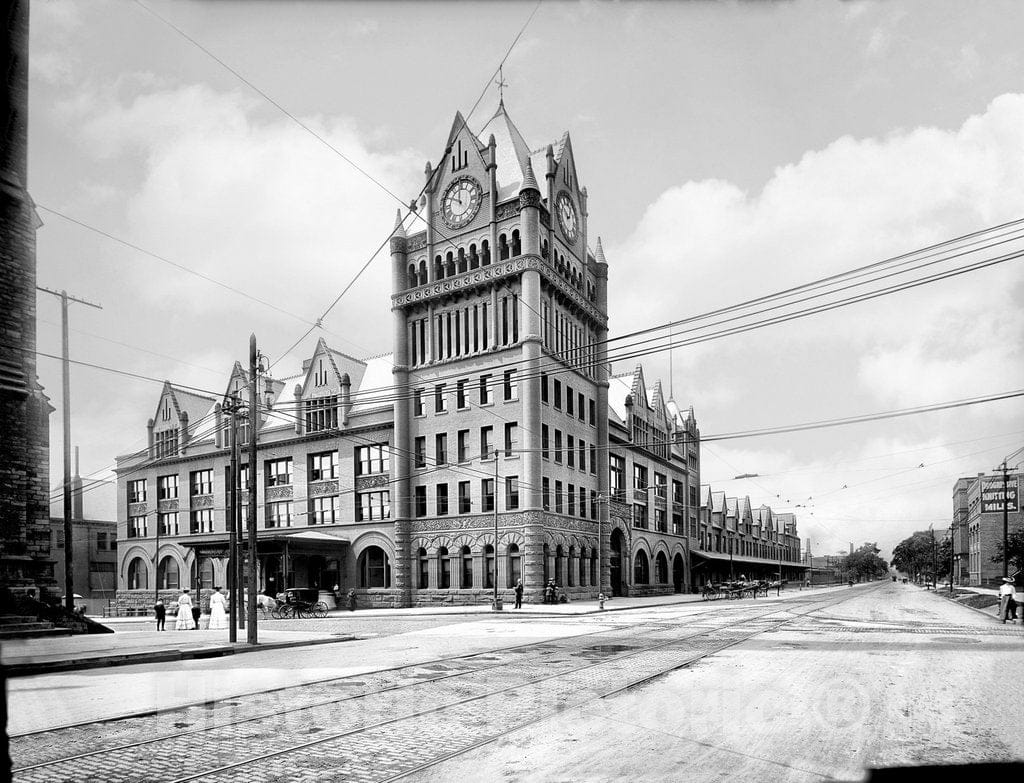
(931, 530)
(232, 404)
(1006, 524)
(952, 556)
(496, 605)
(69, 554)
(254, 423)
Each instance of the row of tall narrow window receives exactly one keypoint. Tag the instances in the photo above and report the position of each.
(466, 330)
(436, 571)
(463, 503)
(564, 335)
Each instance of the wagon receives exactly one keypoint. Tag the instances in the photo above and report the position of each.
(299, 602)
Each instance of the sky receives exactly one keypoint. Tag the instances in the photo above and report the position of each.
(729, 150)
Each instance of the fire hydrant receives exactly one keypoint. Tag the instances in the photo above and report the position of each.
(600, 601)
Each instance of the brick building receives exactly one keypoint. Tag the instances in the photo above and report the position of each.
(982, 520)
(495, 410)
(25, 563)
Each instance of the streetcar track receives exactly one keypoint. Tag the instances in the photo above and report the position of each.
(561, 645)
(569, 645)
(505, 730)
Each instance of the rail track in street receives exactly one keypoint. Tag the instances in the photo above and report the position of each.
(390, 724)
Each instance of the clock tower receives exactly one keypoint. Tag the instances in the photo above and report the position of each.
(500, 416)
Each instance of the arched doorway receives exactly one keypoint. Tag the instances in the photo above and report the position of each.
(677, 572)
(615, 562)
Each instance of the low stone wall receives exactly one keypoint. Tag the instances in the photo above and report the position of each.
(137, 603)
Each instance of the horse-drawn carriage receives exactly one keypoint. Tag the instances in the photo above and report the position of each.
(299, 602)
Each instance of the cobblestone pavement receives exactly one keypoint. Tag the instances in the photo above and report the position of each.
(399, 718)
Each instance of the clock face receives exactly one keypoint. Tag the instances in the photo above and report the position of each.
(567, 216)
(461, 201)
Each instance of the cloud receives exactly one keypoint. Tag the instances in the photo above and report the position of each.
(707, 244)
(256, 201)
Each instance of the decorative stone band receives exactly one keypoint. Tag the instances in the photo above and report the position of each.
(495, 272)
(371, 482)
(529, 198)
(136, 509)
(167, 506)
(279, 493)
(506, 521)
(507, 210)
(321, 488)
(416, 242)
(202, 501)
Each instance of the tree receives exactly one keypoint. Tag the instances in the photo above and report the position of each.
(1015, 547)
(915, 555)
(864, 563)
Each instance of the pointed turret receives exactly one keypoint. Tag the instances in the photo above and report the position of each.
(529, 180)
(599, 255)
(399, 227)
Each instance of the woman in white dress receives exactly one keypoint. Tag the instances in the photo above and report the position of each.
(184, 621)
(218, 615)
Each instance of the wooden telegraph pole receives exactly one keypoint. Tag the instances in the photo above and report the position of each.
(69, 554)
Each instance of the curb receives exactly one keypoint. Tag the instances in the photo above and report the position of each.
(29, 668)
(994, 618)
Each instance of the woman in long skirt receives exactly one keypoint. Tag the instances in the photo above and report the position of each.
(218, 615)
(185, 621)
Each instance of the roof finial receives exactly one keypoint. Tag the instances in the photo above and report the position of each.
(502, 84)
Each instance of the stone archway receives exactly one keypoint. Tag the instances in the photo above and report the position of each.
(617, 551)
(678, 572)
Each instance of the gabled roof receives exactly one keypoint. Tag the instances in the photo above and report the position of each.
(718, 502)
(183, 401)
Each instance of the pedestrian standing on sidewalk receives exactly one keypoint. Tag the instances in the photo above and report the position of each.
(185, 621)
(161, 614)
(1007, 606)
(519, 594)
(197, 610)
(218, 617)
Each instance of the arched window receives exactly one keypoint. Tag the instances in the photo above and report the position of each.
(423, 272)
(547, 567)
(515, 565)
(570, 576)
(485, 252)
(438, 268)
(593, 567)
(583, 567)
(449, 262)
(374, 569)
(424, 564)
(167, 576)
(517, 244)
(559, 573)
(661, 569)
(444, 569)
(474, 259)
(138, 574)
(466, 581)
(641, 568)
(502, 247)
(413, 281)
(489, 574)
(204, 579)
(544, 248)
(462, 259)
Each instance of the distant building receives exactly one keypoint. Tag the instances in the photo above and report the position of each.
(735, 540)
(94, 556)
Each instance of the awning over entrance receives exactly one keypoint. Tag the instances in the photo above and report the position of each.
(301, 540)
(738, 560)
